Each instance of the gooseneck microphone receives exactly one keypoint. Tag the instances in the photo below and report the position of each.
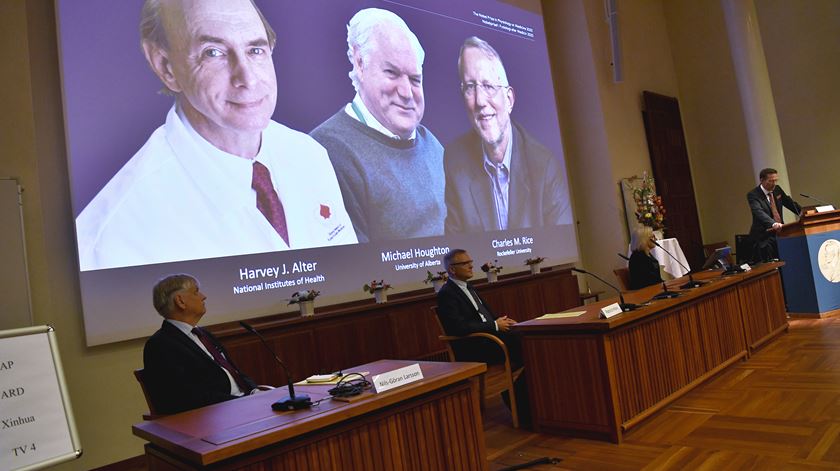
(691, 282)
(292, 401)
(814, 198)
(624, 306)
(666, 293)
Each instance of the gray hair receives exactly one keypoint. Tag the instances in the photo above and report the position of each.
(163, 294)
(447, 259)
(487, 49)
(152, 30)
(361, 32)
(639, 237)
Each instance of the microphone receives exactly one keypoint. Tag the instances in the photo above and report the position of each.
(666, 294)
(815, 199)
(691, 283)
(624, 306)
(292, 401)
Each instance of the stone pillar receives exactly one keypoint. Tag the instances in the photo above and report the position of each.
(754, 87)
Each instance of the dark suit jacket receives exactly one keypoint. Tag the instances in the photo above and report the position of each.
(644, 270)
(459, 318)
(179, 376)
(764, 241)
(537, 195)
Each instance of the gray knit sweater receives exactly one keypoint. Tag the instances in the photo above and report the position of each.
(392, 189)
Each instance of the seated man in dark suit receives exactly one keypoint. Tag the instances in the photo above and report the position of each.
(185, 366)
(462, 311)
(766, 203)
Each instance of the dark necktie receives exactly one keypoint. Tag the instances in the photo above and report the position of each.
(482, 309)
(221, 360)
(773, 209)
(267, 201)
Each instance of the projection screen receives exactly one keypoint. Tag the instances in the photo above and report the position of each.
(152, 197)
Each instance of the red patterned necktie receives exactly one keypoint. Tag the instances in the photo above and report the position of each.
(267, 201)
(773, 209)
(221, 360)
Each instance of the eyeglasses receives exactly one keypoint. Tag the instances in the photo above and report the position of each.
(490, 90)
(465, 262)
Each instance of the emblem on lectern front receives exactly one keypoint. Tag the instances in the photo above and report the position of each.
(828, 259)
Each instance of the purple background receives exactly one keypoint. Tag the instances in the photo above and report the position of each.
(112, 106)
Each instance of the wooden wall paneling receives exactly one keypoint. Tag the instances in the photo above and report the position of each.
(294, 348)
(360, 331)
(560, 293)
(414, 331)
(522, 302)
(357, 340)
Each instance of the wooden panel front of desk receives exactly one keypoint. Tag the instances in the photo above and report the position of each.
(433, 424)
(597, 378)
(360, 332)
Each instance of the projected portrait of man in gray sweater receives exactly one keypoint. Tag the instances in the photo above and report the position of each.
(389, 166)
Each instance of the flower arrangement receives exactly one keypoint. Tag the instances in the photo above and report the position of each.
(304, 295)
(491, 267)
(440, 276)
(649, 209)
(375, 285)
(534, 261)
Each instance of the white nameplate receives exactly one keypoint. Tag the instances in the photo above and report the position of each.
(824, 209)
(611, 310)
(746, 267)
(398, 377)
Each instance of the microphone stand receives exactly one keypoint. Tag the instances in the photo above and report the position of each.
(624, 305)
(292, 401)
(666, 294)
(691, 282)
(815, 199)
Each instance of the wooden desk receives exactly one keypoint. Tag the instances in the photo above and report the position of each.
(597, 378)
(434, 423)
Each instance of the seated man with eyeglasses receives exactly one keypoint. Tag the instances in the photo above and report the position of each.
(498, 177)
(462, 311)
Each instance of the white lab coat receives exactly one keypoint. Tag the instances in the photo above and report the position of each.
(181, 198)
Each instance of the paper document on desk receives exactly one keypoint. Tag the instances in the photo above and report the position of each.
(561, 315)
(321, 379)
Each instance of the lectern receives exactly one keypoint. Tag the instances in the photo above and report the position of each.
(810, 248)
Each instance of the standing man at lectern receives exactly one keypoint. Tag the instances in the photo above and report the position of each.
(185, 367)
(766, 202)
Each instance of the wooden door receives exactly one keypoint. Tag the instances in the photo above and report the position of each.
(669, 160)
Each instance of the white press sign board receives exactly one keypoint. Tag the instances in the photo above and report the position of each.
(36, 421)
